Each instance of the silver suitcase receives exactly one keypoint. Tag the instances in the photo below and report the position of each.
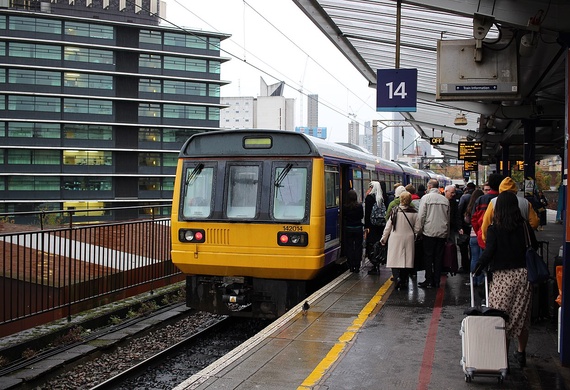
(484, 343)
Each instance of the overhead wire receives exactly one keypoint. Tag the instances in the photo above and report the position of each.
(291, 83)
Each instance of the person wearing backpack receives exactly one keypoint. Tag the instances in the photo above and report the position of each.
(374, 222)
(396, 200)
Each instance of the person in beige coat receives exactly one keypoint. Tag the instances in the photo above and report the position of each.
(399, 234)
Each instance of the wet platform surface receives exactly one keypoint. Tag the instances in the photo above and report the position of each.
(361, 333)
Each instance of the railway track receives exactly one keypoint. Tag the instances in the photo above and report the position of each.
(122, 379)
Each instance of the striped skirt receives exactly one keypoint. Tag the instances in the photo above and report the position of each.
(510, 291)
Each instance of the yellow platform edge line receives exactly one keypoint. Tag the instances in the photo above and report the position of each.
(337, 349)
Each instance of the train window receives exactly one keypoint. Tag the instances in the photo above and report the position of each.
(357, 183)
(332, 186)
(197, 200)
(243, 190)
(289, 197)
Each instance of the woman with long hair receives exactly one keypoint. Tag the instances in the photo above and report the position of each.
(474, 248)
(352, 215)
(504, 254)
(373, 232)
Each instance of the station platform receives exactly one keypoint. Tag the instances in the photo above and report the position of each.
(360, 332)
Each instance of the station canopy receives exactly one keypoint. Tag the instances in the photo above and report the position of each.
(532, 33)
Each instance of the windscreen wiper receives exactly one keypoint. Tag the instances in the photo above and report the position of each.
(194, 174)
(282, 175)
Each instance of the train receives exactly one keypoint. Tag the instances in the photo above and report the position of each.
(256, 215)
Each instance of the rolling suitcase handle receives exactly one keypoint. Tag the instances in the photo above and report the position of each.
(473, 288)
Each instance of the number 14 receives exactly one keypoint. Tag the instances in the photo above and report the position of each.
(400, 90)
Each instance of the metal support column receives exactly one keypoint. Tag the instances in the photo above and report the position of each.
(506, 171)
(565, 317)
(528, 152)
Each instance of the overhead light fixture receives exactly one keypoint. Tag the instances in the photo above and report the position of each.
(460, 120)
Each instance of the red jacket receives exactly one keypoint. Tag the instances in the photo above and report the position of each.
(480, 207)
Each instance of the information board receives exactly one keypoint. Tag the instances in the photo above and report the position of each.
(470, 166)
(470, 150)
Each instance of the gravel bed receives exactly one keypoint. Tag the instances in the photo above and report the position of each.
(107, 365)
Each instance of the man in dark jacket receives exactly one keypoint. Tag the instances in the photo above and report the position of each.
(464, 245)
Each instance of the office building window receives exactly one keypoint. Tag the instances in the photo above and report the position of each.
(187, 112)
(30, 50)
(34, 77)
(149, 159)
(87, 183)
(33, 103)
(46, 26)
(82, 54)
(3, 22)
(185, 88)
(149, 110)
(182, 40)
(168, 184)
(89, 30)
(33, 130)
(213, 90)
(213, 113)
(87, 157)
(150, 85)
(149, 184)
(2, 48)
(149, 135)
(149, 36)
(214, 67)
(85, 80)
(152, 61)
(214, 43)
(169, 159)
(185, 64)
(173, 111)
(87, 106)
(177, 135)
(34, 157)
(92, 132)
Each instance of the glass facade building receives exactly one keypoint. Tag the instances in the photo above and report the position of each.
(96, 102)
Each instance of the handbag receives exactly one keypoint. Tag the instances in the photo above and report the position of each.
(535, 265)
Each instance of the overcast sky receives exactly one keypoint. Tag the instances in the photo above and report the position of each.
(275, 40)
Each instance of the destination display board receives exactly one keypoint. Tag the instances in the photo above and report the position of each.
(470, 166)
(470, 150)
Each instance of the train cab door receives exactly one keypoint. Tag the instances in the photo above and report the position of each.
(346, 184)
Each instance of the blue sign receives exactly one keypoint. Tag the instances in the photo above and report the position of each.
(396, 90)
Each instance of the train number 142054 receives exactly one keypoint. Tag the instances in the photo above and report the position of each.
(293, 228)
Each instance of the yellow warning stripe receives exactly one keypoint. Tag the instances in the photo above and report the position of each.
(335, 352)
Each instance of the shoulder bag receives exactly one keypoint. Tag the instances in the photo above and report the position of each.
(535, 265)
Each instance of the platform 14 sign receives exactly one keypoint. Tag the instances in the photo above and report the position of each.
(396, 90)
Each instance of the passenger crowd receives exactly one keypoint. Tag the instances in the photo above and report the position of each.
(445, 230)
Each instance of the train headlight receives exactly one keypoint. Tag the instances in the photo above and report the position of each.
(292, 239)
(192, 235)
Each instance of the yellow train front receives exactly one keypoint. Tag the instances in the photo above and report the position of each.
(248, 221)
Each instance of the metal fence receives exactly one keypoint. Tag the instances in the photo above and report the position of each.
(62, 265)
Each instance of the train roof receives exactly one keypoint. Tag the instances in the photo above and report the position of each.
(231, 142)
